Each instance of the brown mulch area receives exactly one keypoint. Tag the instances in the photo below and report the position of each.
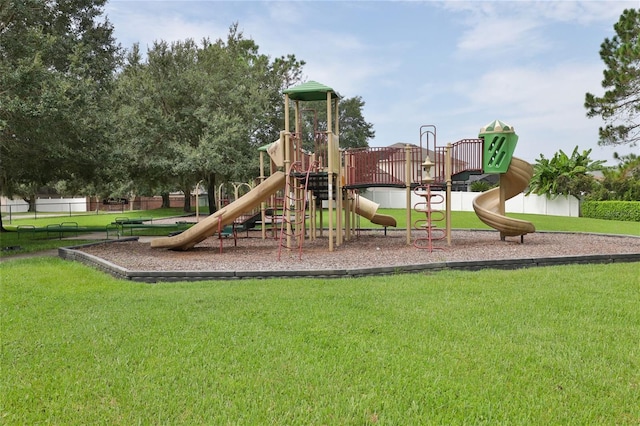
(369, 249)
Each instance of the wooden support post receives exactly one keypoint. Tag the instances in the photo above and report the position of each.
(331, 166)
(447, 168)
(339, 179)
(263, 205)
(287, 163)
(407, 181)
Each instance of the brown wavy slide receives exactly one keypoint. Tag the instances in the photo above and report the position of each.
(487, 204)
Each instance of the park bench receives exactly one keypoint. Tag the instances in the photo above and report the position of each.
(113, 228)
(55, 229)
(121, 224)
(58, 230)
(243, 223)
(132, 221)
(24, 229)
(61, 229)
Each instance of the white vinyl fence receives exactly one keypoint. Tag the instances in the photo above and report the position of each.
(49, 205)
(395, 198)
(387, 198)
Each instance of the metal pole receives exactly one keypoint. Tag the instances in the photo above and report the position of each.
(503, 196)
(198, 201)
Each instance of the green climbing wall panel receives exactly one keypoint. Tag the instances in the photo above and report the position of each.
(500, 142)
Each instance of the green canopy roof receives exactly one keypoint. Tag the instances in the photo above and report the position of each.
(310, 91)
(265, 147)
(497, 126)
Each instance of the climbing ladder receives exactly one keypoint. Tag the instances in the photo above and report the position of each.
(431, 219)
(292, 225)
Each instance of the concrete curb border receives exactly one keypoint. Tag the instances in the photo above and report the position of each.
(70, 253)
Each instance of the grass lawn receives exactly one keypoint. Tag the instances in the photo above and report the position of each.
(92, 222)
(555, 345)
(89, 218)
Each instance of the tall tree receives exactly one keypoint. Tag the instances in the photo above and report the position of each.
(620, 104)
(199, 111)
(285, 71)
(620, 182)
(56, 65)
(355, 131)
(158, 103)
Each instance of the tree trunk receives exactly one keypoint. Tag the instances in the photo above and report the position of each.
(166, 202)
(187, 200)
(2, 228)
(211, 194)
(32, 203)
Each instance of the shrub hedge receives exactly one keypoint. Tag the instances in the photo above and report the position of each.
(612, 210)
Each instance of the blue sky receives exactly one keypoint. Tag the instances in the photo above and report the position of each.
(457, 65)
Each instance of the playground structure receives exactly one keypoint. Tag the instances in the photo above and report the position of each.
(300, 182)
(491, 152)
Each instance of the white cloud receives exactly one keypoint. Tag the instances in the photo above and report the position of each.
(283, 12)
(499, 27)
(532, 90)
(582, 12)
(538, 102)
(168, 20)
(496, 36)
